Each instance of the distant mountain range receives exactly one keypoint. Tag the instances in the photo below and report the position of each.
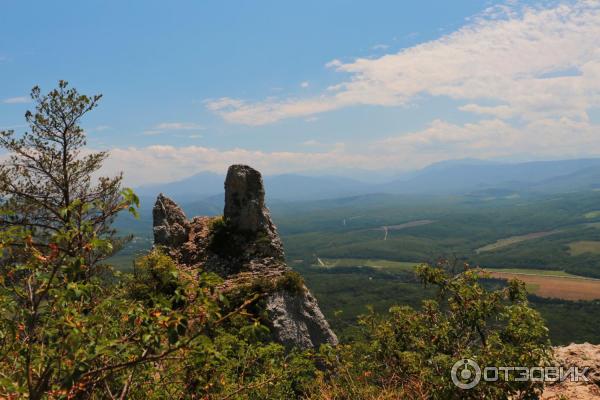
(444, 178)
(458, 177)
(284, 187)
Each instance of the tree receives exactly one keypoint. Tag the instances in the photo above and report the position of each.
(46, 185)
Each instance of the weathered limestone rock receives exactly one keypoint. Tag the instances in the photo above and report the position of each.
(580, 356)
(170, 224)
(242, 247)
(245, 200)
(298, 321)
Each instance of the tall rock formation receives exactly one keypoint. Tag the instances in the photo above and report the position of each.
(244, 248)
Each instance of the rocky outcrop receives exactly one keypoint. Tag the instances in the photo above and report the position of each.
(581, 356)
(245, 200)
(244, 248)
(169, 223)
(297, 320)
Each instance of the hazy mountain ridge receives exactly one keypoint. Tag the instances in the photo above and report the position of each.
(202, 194)
(447, 177)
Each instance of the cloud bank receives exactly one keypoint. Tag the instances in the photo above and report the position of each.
(526, 78)
(533, 62)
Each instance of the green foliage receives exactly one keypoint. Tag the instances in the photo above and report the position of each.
(154, 275)
(47, 185)
(229, 242)
(162, 333)
(217, 223)
(141, 335)
(223, 239)
(262, 239)
(291, 282)
(344, 292)
(410, 353)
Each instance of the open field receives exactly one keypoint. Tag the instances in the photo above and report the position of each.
(544, 283)
(343, 294)
(409, 224)
(531, 271)
(592, 214)
(584, 246)
(514, 240)
(387, 265)
(559, 287)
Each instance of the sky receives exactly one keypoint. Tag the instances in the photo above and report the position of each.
(325, 86)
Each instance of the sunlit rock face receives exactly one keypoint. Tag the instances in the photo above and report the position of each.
(584, 355)
(242, 247)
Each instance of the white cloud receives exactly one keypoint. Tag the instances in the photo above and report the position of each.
(165, 163)
(380, 47)
(304, 84)
(440, 140)
(152, 132)
(525, 76)
(497, 111)
(172, 126)
(511, 55)
(268, 111)
(311, 142)
(545, 138)
(175, 126)
(17, 100)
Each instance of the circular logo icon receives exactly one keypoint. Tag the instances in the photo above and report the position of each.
(466, 374)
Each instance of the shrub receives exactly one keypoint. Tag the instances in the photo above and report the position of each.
(410, 353)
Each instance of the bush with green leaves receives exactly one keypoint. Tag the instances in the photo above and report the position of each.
(410, 353)
(160, 333)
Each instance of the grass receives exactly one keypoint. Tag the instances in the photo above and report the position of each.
(531, 271)
(557, 287)
(409, 266)
(513, 240)
(410, 224)
(372, 263)
(532, 288)
(584, 246)
(544, 283)
(592, 214)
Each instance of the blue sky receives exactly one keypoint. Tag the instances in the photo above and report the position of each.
(314, 85)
